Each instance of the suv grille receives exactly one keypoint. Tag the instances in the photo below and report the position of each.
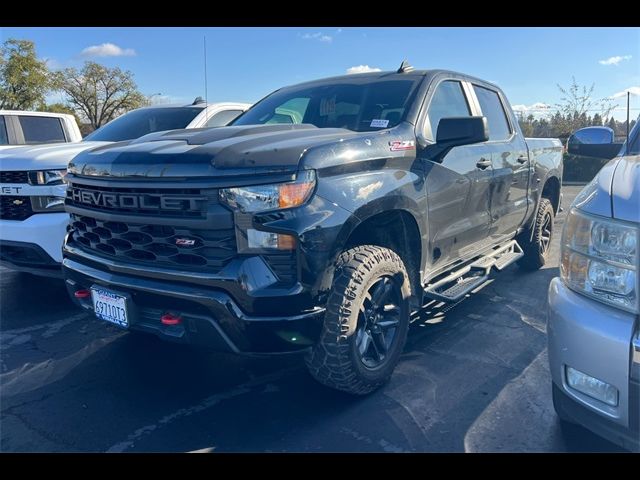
(14, 177)
(15, 208)
(163, 245)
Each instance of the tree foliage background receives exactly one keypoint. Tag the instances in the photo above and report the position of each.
(95, 94)
(572, 113)
(24, 79)
(99, 93)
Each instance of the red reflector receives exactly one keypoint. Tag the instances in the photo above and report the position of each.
(82, 293)
(170, 319)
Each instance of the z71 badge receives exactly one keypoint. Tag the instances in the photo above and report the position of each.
(396, 145)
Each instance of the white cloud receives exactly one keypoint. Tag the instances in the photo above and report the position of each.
(614, 60)
(362, 69)
(321, 37)
(107, 50)
(623, 93)
(538, 109)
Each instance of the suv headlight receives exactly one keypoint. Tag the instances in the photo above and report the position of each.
(47, 177)
(599, 258)
(271, 197)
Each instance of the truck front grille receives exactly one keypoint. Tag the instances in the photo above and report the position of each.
(157, 202)
(14, 177)
(177, 247)
(15, 208)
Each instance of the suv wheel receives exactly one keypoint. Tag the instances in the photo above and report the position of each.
(366, 321)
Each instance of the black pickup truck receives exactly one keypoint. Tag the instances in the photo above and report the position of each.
(318, 221)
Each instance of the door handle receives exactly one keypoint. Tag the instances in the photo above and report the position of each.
(523, 160)
(483, 163)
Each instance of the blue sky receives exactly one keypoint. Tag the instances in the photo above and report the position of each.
(244, 64)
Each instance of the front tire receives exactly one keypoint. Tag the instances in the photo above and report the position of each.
(536, 249)
(366, 321)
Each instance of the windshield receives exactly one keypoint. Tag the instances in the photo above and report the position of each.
(361, 107)
(137, 123)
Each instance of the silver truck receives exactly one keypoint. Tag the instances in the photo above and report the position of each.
(593, 316)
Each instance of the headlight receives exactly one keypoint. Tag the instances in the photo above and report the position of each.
(47, 204)
(599, 258)
(271, 197)
(47, 177)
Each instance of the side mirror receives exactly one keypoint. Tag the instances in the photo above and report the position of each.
(455, 132)
(595, 142)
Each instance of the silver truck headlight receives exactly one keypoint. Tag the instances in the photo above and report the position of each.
(271, 197)
(48, 177)
(599, 258)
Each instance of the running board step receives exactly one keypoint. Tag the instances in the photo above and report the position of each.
(458, 290)
(453, 287)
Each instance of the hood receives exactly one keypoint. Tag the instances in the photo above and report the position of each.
(224, 151)
(615, 191)
(595, 197)
(625, 189)
(43, 157)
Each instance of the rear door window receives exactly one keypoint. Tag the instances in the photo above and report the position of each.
(494, 112)
(4, 140)
(41, 129)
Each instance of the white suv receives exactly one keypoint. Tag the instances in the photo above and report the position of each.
(32, 217)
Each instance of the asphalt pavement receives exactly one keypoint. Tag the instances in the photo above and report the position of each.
(471, 379)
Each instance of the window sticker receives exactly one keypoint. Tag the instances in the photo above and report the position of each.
(380, 123)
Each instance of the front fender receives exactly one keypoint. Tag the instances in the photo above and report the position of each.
(341, 203)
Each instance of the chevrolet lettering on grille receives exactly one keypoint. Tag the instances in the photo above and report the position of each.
(137, 201)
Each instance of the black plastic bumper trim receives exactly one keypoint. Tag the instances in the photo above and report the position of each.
(208, 309)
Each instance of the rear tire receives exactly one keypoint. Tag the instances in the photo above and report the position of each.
(366, 321)
(536, 249)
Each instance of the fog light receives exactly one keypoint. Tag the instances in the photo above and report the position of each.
(258, 239)
(592, 387)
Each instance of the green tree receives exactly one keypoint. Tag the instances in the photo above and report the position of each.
(597, 120)
(24, 80)
(575, 104)
(99, 93)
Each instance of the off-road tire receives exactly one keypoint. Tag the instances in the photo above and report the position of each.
(335, 360)
(536, 252)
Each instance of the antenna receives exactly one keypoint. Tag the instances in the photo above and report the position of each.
(206, 96)
(405, 67)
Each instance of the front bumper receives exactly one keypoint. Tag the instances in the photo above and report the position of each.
(29, 258)
(599, 341)
(210, 316)
(34, 245)
(46, 230)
